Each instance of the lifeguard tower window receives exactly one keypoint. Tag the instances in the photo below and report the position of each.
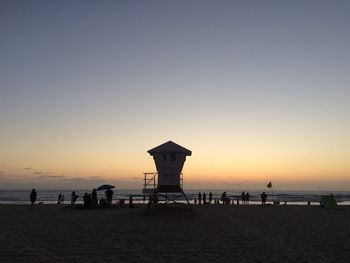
(172, 157)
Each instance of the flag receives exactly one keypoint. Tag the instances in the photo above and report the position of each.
(269, 185)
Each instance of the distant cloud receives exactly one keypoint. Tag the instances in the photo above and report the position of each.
(93, 177)
(27, 168)
(45, 173)
(77, 179)
(49, 181)
(51, 176)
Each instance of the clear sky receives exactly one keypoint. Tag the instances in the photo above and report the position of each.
(258, 90)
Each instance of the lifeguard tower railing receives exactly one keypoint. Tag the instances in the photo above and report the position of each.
(150, 182)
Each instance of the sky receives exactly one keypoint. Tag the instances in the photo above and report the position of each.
(257, 90)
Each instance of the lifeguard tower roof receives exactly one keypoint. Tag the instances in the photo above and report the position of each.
(170, 147)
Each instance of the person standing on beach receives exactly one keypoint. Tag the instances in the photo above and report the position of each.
(109, 196)
(204, 199)
(94, 198)
(73, 199)
(243, 198)
(247, 196)
(131, 202)
(199, 198)
(86, 200)
(59, 198)
(210, 197)
(223, 198)
(263, 198)
(33, 196)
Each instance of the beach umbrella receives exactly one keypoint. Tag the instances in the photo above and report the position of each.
(105, 187)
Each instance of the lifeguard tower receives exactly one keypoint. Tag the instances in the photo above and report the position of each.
(169, 158)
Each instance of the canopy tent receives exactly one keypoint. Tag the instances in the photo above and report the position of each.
(105, 187)
(328, 201)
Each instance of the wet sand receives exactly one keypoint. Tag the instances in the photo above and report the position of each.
(215, 233)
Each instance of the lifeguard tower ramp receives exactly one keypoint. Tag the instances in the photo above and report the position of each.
(169, 159)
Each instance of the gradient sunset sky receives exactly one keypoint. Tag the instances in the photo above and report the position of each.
(258, 90)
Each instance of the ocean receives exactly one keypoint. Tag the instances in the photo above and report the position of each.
(291, 197)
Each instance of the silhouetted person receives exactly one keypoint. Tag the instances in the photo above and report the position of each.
(204, 199)
(62, 199)
(263, 198)
(199, 198)
(33, 196)
(89, 200)
(102, 203)
(210, 197)
(130, 202)
(94, 198)
(109, 196)
(247, 196)
(243, 197)
(73, 199)
(223, 198)
(86, 200)
(59, 199)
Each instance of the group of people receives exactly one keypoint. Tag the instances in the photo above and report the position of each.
(60, 199)
(245, 198)
(91, 200)
(226, 200)
(204, 198)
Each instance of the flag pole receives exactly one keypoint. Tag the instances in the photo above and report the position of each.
(273, 196)
(269, 185)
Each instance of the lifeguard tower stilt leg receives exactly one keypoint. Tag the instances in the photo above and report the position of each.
(154, 197)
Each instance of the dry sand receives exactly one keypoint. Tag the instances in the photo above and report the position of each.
(50, 233)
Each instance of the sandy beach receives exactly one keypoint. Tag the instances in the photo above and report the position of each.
(216, 233)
